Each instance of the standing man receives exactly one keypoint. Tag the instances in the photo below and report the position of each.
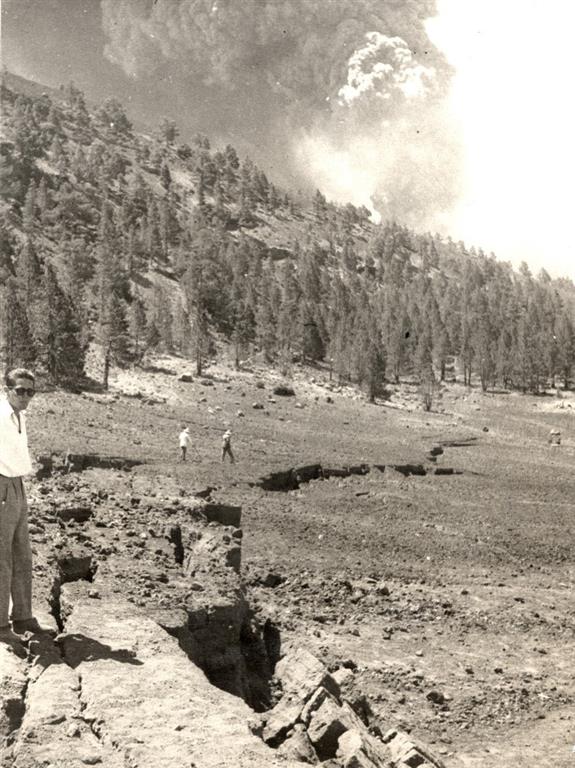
(227, 445)
(15, 550)
(184, 441)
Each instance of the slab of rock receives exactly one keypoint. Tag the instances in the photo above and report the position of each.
(408, 753)
(54, 730)
(328, 723)
(300, 673)
(305, 683)
(145, 697)
(358, 749)
(315, 702)
(298, 746)
(280, 720)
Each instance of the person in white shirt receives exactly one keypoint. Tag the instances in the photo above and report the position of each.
(227, 446)
(15, 550)
(185, 440)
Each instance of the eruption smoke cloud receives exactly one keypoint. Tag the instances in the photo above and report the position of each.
(383, 65)
(354, 87)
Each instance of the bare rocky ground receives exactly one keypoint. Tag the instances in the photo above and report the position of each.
(436, 591)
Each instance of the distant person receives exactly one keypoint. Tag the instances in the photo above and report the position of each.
(185, 440)
(227, 446)
(15, 550)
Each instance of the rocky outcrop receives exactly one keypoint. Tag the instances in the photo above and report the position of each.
(124, 693)
(314, 723)
(160, 659)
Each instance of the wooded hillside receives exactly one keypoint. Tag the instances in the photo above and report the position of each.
(132, 243)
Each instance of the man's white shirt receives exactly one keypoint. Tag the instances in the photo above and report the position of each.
(184, 439)
(14, 454)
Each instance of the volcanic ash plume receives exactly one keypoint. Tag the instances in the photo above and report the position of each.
(387, 143)
(354, 88)
(382, 66)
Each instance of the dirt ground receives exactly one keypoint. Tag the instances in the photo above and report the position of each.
(450, 595)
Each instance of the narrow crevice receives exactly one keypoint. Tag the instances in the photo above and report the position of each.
(260, 646)
(272, 641)
(409, 469)
(175, 538)
(78, 462)
(97, 729)
(55, 605)
(292, 479)
(70, 568)
(90, 722)
(243, 667)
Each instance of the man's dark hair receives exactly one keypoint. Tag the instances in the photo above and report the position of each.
(18, 373)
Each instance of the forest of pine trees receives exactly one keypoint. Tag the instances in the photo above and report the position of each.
(129, 244)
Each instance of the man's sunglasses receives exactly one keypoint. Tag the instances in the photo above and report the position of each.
(21, 391)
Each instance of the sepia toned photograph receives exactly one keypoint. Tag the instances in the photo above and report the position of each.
(287, 348)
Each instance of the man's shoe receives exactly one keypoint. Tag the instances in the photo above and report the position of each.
(27, 625)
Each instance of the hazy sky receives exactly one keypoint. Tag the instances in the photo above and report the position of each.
(513, 99)
(461, 124)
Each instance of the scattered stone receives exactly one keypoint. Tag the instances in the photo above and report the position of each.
(436, 697)
(284, 390)
(272, 580)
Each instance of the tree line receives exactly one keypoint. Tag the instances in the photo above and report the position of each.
(127, 244)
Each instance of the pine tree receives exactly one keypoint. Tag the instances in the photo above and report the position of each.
(243, 319)
(110, 114)
(287, 326)
(266, 318)
(162, 319)
(138, 328)
(111, 332)
(368, 348)
(28, 272)
(565, 339)
(58, 336)
(17, 346)
(168, 131)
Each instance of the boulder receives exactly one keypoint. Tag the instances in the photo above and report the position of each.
(300, 673)
(297, 746)
(328, 723)
(358, 749)
(284, 390)
(303, 678)
(408, 753)
(80, 514)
